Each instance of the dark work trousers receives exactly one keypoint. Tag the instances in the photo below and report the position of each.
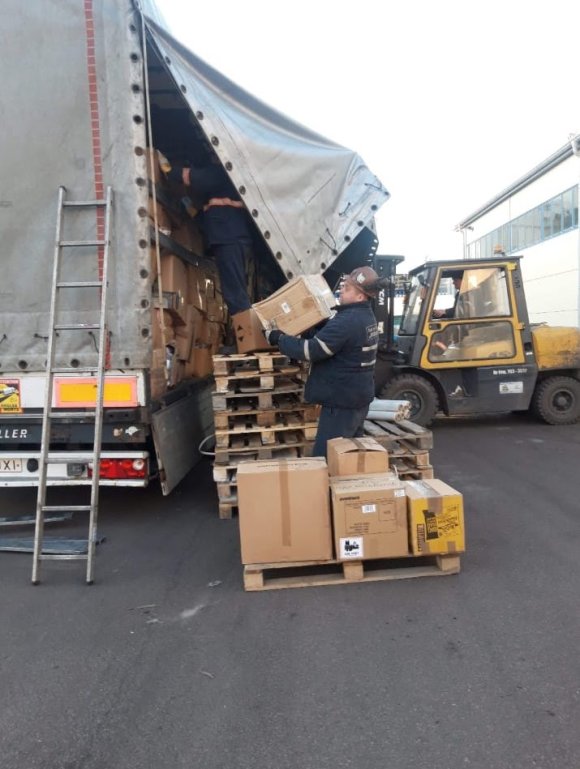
(232, 271)
(338, 423)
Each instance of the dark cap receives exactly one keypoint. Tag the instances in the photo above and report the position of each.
(365, 279)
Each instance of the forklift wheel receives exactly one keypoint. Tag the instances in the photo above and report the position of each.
(556, 400)
(420, 393)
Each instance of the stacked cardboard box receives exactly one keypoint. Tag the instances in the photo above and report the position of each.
(285, 517)
(189, 317)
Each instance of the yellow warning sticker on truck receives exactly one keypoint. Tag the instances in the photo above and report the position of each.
(10, 396)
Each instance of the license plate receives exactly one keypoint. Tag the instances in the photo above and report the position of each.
(10, 466)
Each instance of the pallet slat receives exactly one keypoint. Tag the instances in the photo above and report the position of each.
(276, 576)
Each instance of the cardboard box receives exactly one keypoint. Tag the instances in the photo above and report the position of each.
(174, 280)
(436, 520)
(370, 517)
(156, 328)
(356, 456)
(249, 332)
(174, 274)
(160, 164)
(297, 306)
(199, 363)
(284, 511)
(196, 294)
(184, 335)
(164, 221)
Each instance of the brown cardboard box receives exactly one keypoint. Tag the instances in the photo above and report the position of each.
(356, 456)
(173, 274)
(435, 517)
(297, 306)
(164, 221)
(249, 332)
(284, 511)
(216, 310)
(187, 235)
(184, 335)
(158, 376)
(370, 517)
(174, 280)
(196, 293)
(156, 328)
(159, 163)
(199, 363)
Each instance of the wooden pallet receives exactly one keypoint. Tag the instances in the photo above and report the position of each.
(274, 576)
(224, 365)
(255, 381)
(229, 420)
(408, 470)
(254, 449)
(244, 432)
(400, 434)
(283, 396)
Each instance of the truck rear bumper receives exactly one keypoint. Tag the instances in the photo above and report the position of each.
(20, 468)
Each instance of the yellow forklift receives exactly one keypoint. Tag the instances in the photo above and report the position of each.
(465, 344)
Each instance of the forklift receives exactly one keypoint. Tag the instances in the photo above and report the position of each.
(465, 345)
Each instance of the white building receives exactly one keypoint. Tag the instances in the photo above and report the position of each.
(537, 216)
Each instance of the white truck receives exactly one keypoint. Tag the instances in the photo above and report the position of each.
(87, 86)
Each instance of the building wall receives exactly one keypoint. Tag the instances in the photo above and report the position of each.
(551, 267)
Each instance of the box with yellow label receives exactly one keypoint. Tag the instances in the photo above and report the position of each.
(436, 522)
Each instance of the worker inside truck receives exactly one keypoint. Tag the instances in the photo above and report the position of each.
(224, 222)
(343, 355)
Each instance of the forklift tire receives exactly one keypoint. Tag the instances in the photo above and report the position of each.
(556, 400)
(421, 394)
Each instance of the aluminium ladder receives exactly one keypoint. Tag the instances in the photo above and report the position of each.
(48, 457)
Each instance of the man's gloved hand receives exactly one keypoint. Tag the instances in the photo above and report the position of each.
(273, 336)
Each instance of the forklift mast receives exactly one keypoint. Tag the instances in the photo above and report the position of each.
(384, 306)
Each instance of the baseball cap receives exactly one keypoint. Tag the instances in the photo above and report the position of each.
(365, 279)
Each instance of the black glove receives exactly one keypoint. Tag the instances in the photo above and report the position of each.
(273, 336)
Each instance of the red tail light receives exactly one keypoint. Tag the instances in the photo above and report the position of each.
(121, 468)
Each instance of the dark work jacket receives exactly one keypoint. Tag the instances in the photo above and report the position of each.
(220, 224)
(343, 355)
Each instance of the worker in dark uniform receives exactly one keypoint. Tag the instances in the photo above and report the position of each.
(225, 227)
(343, 355)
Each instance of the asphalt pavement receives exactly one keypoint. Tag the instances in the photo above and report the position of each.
(166, 663)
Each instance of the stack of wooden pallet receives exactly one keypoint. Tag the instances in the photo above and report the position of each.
(408, 445)
(259, 413)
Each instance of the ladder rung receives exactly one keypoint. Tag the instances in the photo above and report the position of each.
(73, 203)
(72, 414)
(71, 370)
(76, 243)
(62, 557)
(81, 284)
(76, 326)
(66, 508)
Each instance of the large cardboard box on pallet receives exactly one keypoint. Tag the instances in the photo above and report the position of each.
(284, 511)
(297, 306)
(249, 332)
(370, 516)
(436, 521)
(356, 456)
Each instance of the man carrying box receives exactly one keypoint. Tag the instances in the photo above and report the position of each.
(343, 355)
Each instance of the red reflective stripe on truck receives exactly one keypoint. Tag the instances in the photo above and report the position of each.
(96, 140)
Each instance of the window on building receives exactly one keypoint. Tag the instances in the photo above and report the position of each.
(549, 219)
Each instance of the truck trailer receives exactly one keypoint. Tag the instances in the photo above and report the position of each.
(91, 90)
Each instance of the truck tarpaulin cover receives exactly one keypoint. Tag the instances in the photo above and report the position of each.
(310, 194)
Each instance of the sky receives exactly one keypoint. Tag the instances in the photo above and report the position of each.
(447, 102)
